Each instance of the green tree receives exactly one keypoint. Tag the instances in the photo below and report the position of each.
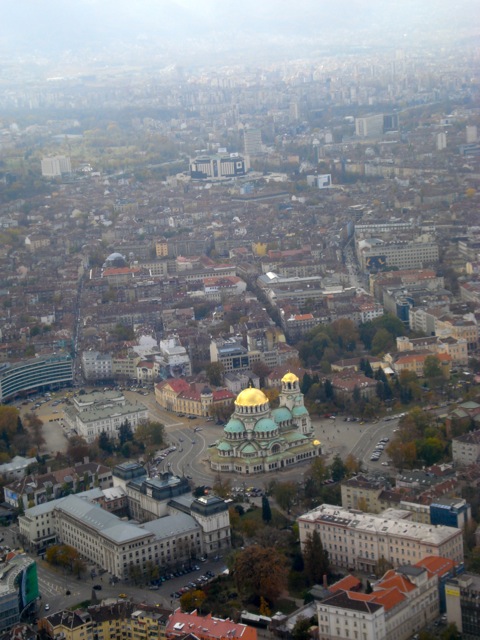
(382, 342)
(301, 629)
(338, 469)
(315, 558)
(214, 371)
(266, 510)
(284, 494)
(125, 433)
(105, 443)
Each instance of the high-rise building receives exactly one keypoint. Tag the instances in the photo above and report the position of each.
(471, 134)
(56, 166)
(252, 142)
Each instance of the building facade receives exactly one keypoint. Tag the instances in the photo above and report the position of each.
(44, 372)
(357, 540)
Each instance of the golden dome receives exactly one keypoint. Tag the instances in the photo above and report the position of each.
(290, 377)
(316, 443)
(251, 397)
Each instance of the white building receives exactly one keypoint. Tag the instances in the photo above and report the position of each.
(55, 166)
(96, 365)
(173, 360)
(95, 412)
(402, 603)
(190, 528)
(357, 540)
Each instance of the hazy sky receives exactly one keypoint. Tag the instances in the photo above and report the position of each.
(48, 26)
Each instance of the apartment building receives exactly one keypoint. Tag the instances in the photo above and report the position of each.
(357, 540)
(466, 448)
(208, 627)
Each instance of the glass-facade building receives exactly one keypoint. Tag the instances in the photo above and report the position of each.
(37, 373)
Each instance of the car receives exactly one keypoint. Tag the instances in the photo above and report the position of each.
(154, 587)
(209, 419)
(192, 417)
(47, 607)
(97, 587)
(193, 441)
(385, 464)
(122, 595)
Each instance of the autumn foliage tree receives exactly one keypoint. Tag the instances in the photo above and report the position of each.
(261, 571)
(191, 600)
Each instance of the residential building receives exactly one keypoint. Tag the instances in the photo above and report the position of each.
(35, 489)
(252, 142)
(55, 166)
(258, 439)
(466, 448)
(96, 365)
(358, 540)
(17, 467)
(208, 627)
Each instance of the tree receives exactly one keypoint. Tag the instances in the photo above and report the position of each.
(432, 369)
(315, 558)
(266, 510)
(261, 370)
(338, 469)
(382, 342)
(150, 434)
(125, 433)
(284, 493)
(260, 571)
(301, 629)
(222, 486)
(35, 426)
(77, 449)
(214, 371)
(192, 600)
(105, 443)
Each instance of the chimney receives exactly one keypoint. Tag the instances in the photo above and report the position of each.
(325, 583)
(86, 460)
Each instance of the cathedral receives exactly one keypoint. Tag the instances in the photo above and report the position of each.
(258, 439)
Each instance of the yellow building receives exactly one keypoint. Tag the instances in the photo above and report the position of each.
(161, 249)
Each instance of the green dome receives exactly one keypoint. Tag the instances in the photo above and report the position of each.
(265, 425)
(299, 411)
(224, 446)
(249, 448)
(234, 426)
(282, 414)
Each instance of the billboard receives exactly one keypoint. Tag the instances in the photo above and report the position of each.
(324, 181)
(28, 585)
(376, 262)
